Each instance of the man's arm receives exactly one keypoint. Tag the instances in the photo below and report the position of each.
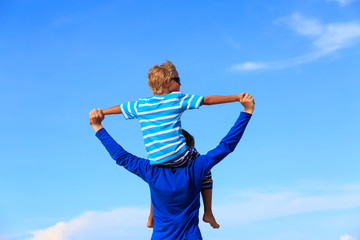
(230, 141)
(132, 163)
(215, 99)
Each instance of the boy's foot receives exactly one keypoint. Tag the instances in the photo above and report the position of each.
(209, 218)
(150, 223)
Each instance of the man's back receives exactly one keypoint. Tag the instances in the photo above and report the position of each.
(175, 194)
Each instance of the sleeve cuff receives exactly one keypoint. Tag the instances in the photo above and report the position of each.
(123, 112)
(198, 103)
(101, 132)
(245, 114)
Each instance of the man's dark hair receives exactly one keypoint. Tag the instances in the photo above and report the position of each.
(190, 142)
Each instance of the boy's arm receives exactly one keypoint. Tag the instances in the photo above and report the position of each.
(112, 110)
(108, 111)
(215, 99)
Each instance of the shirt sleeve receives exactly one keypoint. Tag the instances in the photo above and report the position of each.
(129, 110)
(139, 166)
(226, 146)
(190, 101)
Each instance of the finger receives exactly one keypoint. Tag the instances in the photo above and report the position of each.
(242, 96)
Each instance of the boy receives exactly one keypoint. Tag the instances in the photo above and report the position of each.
(159, 117)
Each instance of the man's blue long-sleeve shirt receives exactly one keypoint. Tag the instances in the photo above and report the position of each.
(175, 193)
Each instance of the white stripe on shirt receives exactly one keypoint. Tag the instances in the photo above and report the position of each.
(122, 109)
(182, 100)
(159, 110)
(164, 124)
(188, 105)
(158, 97)
(160, 118)
(166, 146)
(130, 110)
(168, 154)
(158, 133)
(162, 141)
(197, 103)
(165, 101)
(135, 108)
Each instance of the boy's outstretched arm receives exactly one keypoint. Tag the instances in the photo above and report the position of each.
(112, 110)
(230, 141)
(108, 111)
(215, 99)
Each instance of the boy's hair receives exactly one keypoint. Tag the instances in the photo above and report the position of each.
(158, 74)
(190, 141)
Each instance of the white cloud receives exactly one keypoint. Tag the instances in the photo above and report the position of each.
(337, 36)
(122, 223)
(347, 237)
(236, 209)
(325, 39)
(303, 26)
(250, 66)
(255, 206)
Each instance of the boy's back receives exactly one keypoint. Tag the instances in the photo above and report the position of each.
(159, 118)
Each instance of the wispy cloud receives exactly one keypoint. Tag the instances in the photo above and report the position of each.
(325, 39)
(122, 223)
(238, 208)
(255, 206)
(347, 237)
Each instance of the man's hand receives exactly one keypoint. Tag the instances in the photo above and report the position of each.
(248, 102)
(96, 116)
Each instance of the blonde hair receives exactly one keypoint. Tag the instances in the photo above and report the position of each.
(158, 74)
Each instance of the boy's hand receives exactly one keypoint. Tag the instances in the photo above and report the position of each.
(247, 101)
(96, 116)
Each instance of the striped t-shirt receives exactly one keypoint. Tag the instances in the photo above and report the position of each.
(160, 123)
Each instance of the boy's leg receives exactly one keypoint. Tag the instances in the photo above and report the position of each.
(206, 193)
(150, 223)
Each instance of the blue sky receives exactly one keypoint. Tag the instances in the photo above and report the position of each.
(295, 175)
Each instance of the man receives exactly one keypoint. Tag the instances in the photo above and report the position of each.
(175, 192)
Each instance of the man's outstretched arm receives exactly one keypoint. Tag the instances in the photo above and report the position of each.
(132, 163)
(230, 141)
